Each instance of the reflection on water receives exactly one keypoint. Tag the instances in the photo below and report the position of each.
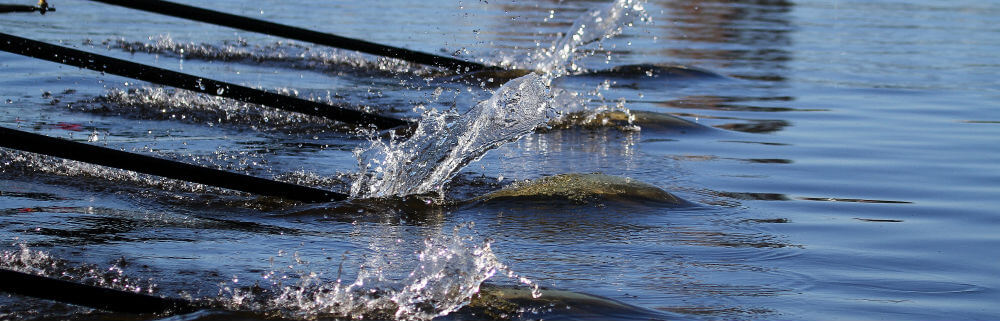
(749, 39)
(750, 36)
(839, 165)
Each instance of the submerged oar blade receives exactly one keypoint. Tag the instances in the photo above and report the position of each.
(274, 29)
(82, 59)
(41, 144)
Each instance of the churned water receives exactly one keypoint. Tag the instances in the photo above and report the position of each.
(837, 160)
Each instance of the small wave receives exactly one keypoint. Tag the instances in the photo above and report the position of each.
(584, 188)
(625, 120)
(182, 105)
(281, 54)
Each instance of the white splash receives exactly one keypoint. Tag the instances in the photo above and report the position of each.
(444, 143)
(38, 262)
(446, 273)
(559, 59)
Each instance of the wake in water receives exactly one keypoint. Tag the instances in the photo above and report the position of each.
(444, 143)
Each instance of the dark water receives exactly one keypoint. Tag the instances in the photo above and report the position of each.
(844, 166)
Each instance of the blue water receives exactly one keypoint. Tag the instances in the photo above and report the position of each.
(846, 167)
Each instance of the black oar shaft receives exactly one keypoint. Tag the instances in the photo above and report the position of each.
(8, 8)
(89, 296)
(275, 29)
(41, 144)
(82, 59)
(5, 8)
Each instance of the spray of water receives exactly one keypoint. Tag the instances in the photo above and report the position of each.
(444, 142)
(444, 276)
(37, 262)
(450, 268)
(559, 59)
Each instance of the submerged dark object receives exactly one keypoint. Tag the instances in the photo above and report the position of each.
(626, 121)
(583, 188)
(654, 71)
(82, 59)
(89, 296)
(42, 144)
(275, 29)
(496, 302)
(642, 77)
(8, 8)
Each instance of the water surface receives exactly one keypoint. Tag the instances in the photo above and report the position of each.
(844, 166)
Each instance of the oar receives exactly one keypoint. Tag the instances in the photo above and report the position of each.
(8, 8)
(89, 296)
(41, 144)
(82, 59)
(285, 31)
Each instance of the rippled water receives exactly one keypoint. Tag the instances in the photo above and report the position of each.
(839, 158)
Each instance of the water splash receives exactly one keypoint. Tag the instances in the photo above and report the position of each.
(444, 142)
(447, 272)
(559, 59)
(38, 262)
